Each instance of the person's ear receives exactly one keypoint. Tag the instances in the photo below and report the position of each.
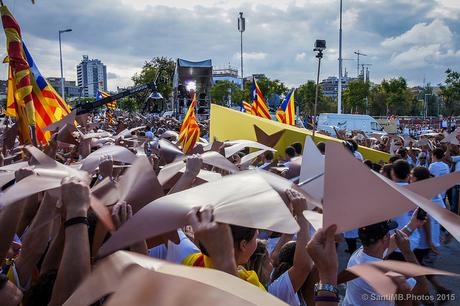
(243, 245)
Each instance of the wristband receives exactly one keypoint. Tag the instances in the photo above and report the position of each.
(326, 299)
(76, 220)
(326, 287)
(409, 229)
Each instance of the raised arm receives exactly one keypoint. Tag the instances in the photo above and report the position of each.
(302, 263)
(192, 168)
(75, 262)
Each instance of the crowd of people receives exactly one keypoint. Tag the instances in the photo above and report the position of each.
(51, 238)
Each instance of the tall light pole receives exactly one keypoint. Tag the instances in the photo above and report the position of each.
(60, 59)
(241, 28)
(339, 89)
(320, 46)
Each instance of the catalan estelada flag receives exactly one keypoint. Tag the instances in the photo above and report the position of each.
(110, 106)
(286, 110)
(259, 105)
(42, 104)
(189, 131)
(246, 107)
(101, 95)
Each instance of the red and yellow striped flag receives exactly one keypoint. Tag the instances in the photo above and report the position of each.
(259, 106)
(20, 73)
(189, 131)
(43, 105)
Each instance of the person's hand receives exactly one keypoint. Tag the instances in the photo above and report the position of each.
(193, 165)
(297, 200)
(215, 237)
(10, 295)
(433, 248)
(402, 242)
(414, 222)
(402, 287)
(155, 161)
(321, 249)
(121, 212)
(75, 197)
(106, 166)
(23, 173)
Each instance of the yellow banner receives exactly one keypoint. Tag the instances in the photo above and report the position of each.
(227, 124)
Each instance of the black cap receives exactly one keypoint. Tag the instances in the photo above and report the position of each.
(370, 234)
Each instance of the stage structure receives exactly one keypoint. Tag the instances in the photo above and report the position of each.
(190, 78)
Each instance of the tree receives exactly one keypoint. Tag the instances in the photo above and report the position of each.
(305, 99)
(450, 92)
(354, 97)
(396, 102)
(148, 74)
(267, 87)
(222, 89)
(129, 104)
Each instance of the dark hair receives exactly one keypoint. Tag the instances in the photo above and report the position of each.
(438, 153)
(256, 262)
(290, 151)
(394, 158)
(402, 152)
(297, 147)
(401, 169)
(386, 169)
(268, 155)
(368, 163)
(241, 233)
(354, 144)
(321, 147)
(421, 173)
(285, 259)
(376, 167)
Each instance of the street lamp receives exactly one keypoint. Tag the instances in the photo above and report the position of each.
(241, 28)
(320, 46)
(60, 59)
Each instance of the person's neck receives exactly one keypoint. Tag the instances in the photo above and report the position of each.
(374, 251)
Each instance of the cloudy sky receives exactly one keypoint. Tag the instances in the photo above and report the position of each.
(411, 38)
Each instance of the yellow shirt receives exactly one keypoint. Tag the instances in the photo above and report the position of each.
(201, 260)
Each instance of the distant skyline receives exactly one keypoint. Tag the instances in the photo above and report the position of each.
(418, 40)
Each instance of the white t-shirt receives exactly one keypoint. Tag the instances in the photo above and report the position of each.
(435, 228)
(439, 169)
(282, 289)
(404, 219)
(456, 160)
(175, 253)
(359, 292)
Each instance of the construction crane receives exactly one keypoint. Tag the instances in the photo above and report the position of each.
(357, 66)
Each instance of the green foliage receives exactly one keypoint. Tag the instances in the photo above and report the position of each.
(129, 104)
(149, 72)
(305, 99)
(354, 97)
(450, 92)
(221, 91)
(267, 87)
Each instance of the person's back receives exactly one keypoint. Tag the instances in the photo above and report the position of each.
(358, 291)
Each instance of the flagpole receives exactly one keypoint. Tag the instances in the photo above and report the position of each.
(339, 89)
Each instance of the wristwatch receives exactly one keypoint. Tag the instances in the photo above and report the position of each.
(326, 287)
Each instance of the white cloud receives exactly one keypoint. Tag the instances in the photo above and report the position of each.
(300, 56)
(449, 9)
(421, 34)
(251, 56)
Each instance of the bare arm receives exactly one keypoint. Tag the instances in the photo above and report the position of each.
(75, 263)
(192, 168)
(302, 263)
